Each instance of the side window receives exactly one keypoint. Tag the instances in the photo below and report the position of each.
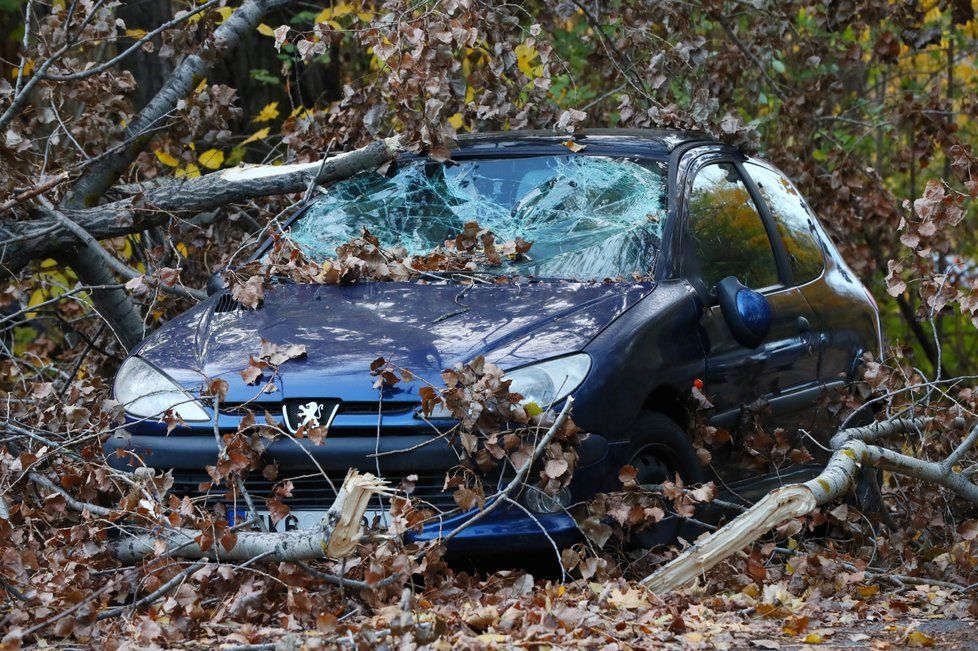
(793, 220)
(726, 232)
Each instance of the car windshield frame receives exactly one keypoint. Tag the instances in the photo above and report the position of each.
(652, 164)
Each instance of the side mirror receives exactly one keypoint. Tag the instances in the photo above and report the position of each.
(746, 312)
(215, 283)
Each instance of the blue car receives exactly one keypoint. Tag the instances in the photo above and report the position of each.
(661, 261)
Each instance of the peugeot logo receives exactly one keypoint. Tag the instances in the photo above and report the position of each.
(310, 414)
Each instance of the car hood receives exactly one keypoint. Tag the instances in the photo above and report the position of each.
(424, 328)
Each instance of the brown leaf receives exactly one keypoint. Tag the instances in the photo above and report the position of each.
(276, 510)
(555, 468)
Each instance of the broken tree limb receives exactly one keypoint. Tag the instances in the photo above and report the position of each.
(115, 306)
(878, 430)
(797, 500)
(335, 537)
(114, 263)
(43, 237)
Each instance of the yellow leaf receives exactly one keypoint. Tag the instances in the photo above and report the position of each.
(323, 15)
(201, 85)
(343, 9)
(135, 33)
(265, 30)
(456, 121)
(867, 591)
(212, 159)
(532, 409)
(225, 12)
(813, 638)
(166, 158)
(261, 134)
(920, 639)
(365, 16)
(269, 112)
(191, 171)
(525, 54)
(182, 248)
(28, 67)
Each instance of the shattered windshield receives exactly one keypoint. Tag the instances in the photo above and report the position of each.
(588, 217)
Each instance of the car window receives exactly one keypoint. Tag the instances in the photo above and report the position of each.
(726, 232)
(588, 217)
(794, 222)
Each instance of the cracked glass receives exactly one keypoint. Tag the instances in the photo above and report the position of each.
(588, 217)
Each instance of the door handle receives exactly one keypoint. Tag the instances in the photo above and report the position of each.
(805, 334)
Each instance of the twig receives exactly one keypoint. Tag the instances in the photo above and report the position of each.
(348, 583)
(30, 193)
(156, 594)
(114, 263)
(132, 48)
(521, 474)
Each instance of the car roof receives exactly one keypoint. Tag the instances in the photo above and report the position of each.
(640, 142)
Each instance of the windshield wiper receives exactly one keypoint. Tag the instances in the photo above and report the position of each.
(476, 276)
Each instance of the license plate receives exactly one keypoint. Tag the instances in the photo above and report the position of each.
(300, 519)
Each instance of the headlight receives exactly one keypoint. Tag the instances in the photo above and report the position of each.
(544, 383)
(146, 392)
(551, 381)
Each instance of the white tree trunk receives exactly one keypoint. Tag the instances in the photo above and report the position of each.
(335, 537)
(797, 500)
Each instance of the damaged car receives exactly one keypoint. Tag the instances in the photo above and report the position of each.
(663, 264)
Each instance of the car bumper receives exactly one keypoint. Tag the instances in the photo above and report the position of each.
(394, 456)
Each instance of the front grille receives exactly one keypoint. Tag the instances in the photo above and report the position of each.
(310, 491)
(356, 407)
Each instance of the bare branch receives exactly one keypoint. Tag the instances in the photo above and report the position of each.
(521, 474)
(82, 74)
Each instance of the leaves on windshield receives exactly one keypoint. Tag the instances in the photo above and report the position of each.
(364, 258)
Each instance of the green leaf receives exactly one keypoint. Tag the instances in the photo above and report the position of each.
(778, 66)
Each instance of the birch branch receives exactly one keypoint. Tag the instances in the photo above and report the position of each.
(335, 537)
(797, 500)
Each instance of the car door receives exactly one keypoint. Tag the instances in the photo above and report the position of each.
(729, 233)
(847, 324)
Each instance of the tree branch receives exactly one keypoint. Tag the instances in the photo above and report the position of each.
(46, 236)
(335, 537)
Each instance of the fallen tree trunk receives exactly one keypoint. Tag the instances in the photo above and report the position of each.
(335, 537)
(43, 237)
(797, 500)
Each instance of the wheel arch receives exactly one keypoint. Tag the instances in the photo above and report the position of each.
(666, 400)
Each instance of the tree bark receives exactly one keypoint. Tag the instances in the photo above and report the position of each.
(115, 305)
(335, 537)
(796, 500)
(46, 236)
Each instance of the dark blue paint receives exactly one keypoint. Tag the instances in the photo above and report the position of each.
(648, 342)
(754, 310)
